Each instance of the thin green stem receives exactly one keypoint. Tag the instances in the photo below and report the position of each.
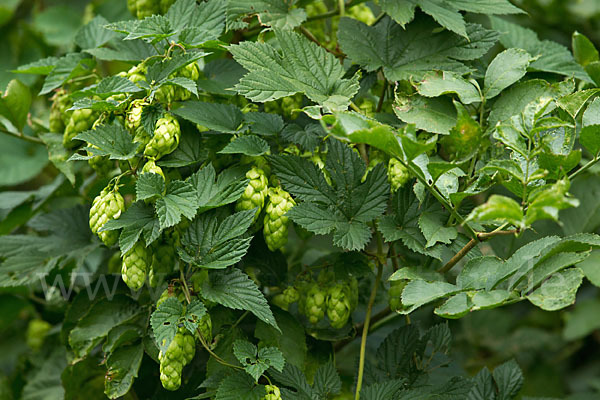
(20, 135)
(382, 97)
(365, 331)
(585, 167)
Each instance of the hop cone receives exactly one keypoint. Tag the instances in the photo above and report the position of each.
(165, 139)
(190, 71)
(255, 193)
(339, 305)
(398, 175)
(180, 352)
(143, 8)
(109, 204)
(273, 393)
(81, 120)
(275, 227)
(205, 328)
(59, 116)
(151, 167)
(135, 266)
(313, 303)
(36, 332)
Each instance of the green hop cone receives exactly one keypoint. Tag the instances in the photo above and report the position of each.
(135, 266)
(395, 294)
(165, 94)
(180, 352)
(133, 123)
(165, 5)
(255, 193)
(339, 305)
(36, 332)
(170, 292)
(81, 120)
(313, 303)
(59, 116)
(152, 168)
(291, 294)
(363, 13)
(205, 328)
(165, 139)
(275, 228)
(398, 175)
(143, 8)
(109, 204)
(273, 393)
(136, 73)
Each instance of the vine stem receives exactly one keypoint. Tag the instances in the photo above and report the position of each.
(481, 236)
(365, 330)
(584, 168)
(20, 135)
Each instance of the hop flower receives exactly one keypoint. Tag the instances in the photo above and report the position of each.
(180, 352)
(273, 393)
(205, 327)
(135, 266)
(276, 223)
(165, 139)
(398, 175)
(255, 193)
(59, 116)
(109, 204)
(313, 303)
(339, 305)
(36, 332)
(80, 120)
(152, 168)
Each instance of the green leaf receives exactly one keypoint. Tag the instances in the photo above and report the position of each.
(221, 75)
(433, 227)
(546, 202)
(234, 289)
(228, 187)
(291, 340)
(239, 386)
(193, 314)
(273, 75)
(45, 382)
(67, 67)
(418, 293)
(437, 83)
(250, 145)
(93, 34)
(480, 273)
(149, 185)
(152, 29)
(100, 319)
(573, 103)
(457, 306)
(164, 321)
(42, 67)
(264, 123)
(124, 363)
(15, 103)
(277, 14)
(257, 361)
(138, 219)
(581, 320)
(191, 150)
(504, 70)
(584, 50)
(445, 14)
(115, 84)
(498, 208)
(180, 199)
(551, 56)
(225, 118)
(558, 291)
(109, 140)
(509, 380)
(121, 335)
(327, 381)
(197, 23)
(436, 115)
(214, 243)
(409, 54)
(21, 161)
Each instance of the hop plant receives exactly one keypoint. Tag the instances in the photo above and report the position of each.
(109, 204)
(165, 94)
(59, 116)
(339, 305)
(133, 123)
(313, 303)
(152, 168)
(275, 227)
(135, 266)
(180, 352)
(398, 175)
(273, 393)
(395, 295)
(255, 193)
(36, 332)
(80, 120)
(165, 139)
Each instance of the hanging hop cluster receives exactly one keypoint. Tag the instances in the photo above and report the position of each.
(255, 193)
(80, 120)
(135, 265)
(275, 228)
(273, 393)
(59, 116)
(109, 204)
(165, 139)
(180, 352)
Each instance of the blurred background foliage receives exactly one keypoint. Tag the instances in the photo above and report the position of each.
(557, 351)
